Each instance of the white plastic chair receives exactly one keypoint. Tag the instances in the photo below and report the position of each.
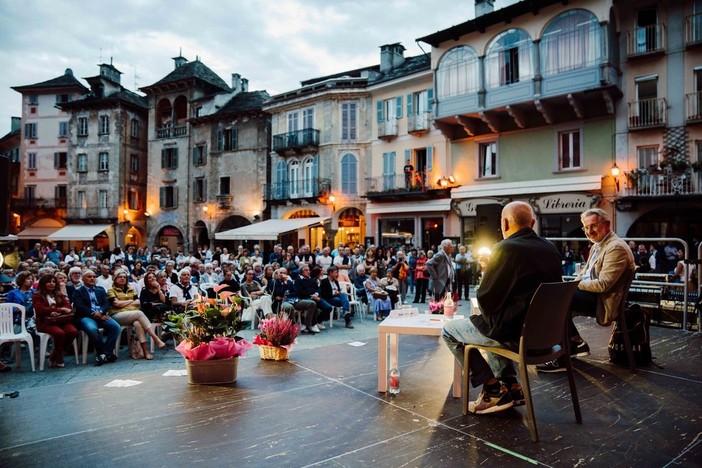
(85, 341)
(7, 332)
(205, 286)
(43, 344)
(354, 303)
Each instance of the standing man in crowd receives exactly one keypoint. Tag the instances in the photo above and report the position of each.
(463, 272)
(409, 172)
(441, 270)
(516, 268)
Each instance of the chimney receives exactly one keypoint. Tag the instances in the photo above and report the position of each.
(483, 7)
(180, 61)
(236, 83)
(244, 85)
(391, 56)
(15, 123)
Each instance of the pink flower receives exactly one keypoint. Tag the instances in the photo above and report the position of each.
(201, 352)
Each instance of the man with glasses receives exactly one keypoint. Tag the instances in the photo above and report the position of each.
(602, 281)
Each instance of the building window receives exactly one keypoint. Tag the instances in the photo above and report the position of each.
(570, 41)
(135, 128)
(349, 121)
(647, 157)
(281, 177)
(509, 59)
(168, 197)
(304, 115)
(389, 171)
(104, 161)
(294, 178)
(389, 109)
(349, 174)
(648, 110)
(199, 189)
(63, 129)
(569, 150)
(60, 194)
(30, 130)
(224, 186)
(169, 158)
(31, 161)
(30, 192)
(487, 164)
(457, 73)
(33, 100)
(82, 126)
(82, 163)
(61, 98)
(646, 30)
(102, 199)
(199, 155)
(134, 163)
(104, 125)
(198, 111)
(133, 200)
(227, 139)
(60, 160)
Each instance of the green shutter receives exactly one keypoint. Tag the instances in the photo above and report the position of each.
(220, 140)
(409, 105)
(162, 197)
(430, 98)
(56, 160)
(235, 138)
(379, 110)
(398, 107)
(164, 162)
(430, 158)
(195, 161)
(408, 155)
(175, 158)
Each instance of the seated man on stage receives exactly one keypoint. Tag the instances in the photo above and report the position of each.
(517, 266)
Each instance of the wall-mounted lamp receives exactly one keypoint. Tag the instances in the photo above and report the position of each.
(125, 212)
(331, 200)
(147, 214)
(445, 181)
(206, 211)
(614, 171)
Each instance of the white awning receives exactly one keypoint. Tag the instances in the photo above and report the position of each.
(423, 206)
(8, 238)
(37, 232)
(78, 232)
(560, 185)
(267, 230)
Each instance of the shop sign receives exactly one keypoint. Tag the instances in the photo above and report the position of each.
(468, 207)
(565, 203)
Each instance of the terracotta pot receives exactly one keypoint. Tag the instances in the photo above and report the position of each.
(212, 371)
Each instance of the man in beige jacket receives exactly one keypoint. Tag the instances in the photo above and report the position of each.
(602, 282)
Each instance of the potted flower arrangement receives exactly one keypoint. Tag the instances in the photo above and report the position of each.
(208, 332)
(277, 337)
(677, 163)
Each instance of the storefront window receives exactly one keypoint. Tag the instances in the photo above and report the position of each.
(396, 232)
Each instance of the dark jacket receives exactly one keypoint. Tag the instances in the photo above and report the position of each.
(325, 289)
(81, 301)
(517, 266)
(305, 287)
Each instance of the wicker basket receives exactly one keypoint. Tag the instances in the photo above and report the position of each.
(274, 353)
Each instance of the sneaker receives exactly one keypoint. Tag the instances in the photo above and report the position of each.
(111, 358)
(321, 326)
(579, 349)
(517, 394)
(314, 329)
(100, 360)
(551, 367)
(491, 402)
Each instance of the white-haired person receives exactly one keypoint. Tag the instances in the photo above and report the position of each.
(125, 310)
(183, 292)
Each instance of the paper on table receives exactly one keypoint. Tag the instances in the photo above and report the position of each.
(356, 343)
(123, 383)
(175, 373)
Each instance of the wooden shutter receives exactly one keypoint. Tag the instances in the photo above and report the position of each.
(398, 107)
(430, 158)
(409, 105)
(220, 140)
(379, 110)
(430, 98)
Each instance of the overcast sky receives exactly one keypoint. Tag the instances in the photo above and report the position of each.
(274, 43)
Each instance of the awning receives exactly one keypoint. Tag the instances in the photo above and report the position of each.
(37, 232)
(442, 204)
(267, 230)
(8, 238)
(78, 232)
(566, 184)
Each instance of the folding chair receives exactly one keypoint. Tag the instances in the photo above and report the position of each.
(544, 338)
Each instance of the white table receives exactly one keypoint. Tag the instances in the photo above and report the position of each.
(422, 324)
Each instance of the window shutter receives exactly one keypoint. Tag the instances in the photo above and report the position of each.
(393, 161)
(174, 191)
(162, 197)
(430, 98)
(195, 197)
(430, 158)
(379, 110)
(235, 138)
(220, 140)
(409, 105)
(398, 107)
(175, 158)
(195, 161)
(164, 164)
(56, 160)
(204, 189)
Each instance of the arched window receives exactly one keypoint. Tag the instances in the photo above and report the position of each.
(294, 179)
(509, 59)
(571, 40)
(180, 110)
(164, 114)
(457, 73)
(310, 177)
(349, 174)
(280, 191)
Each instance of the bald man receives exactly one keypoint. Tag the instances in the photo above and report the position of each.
(517, 266)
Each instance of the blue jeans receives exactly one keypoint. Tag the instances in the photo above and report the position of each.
(341, 300)
(460, 332)
(111, 333)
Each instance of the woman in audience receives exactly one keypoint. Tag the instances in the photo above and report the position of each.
(391, 285)
(137, 271)
(253, 290)
(55, 317)
(153, 299)
(124, 308)
(421, 278)
(162, 278)
(358, 283)
(23, 296)
(61, 283)
(379, 299)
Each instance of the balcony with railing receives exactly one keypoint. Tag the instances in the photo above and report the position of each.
(306, 189)
(663, 182)
(646, 40)
(225, 201)
(296, 142)
(91, 212)
(172, 132)
(419, 123)
(648, 113)
(693, 30)
(387, 129)
(693, 107)
(401, 187)
(37, 203)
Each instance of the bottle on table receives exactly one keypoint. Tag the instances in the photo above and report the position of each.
(394, 380)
